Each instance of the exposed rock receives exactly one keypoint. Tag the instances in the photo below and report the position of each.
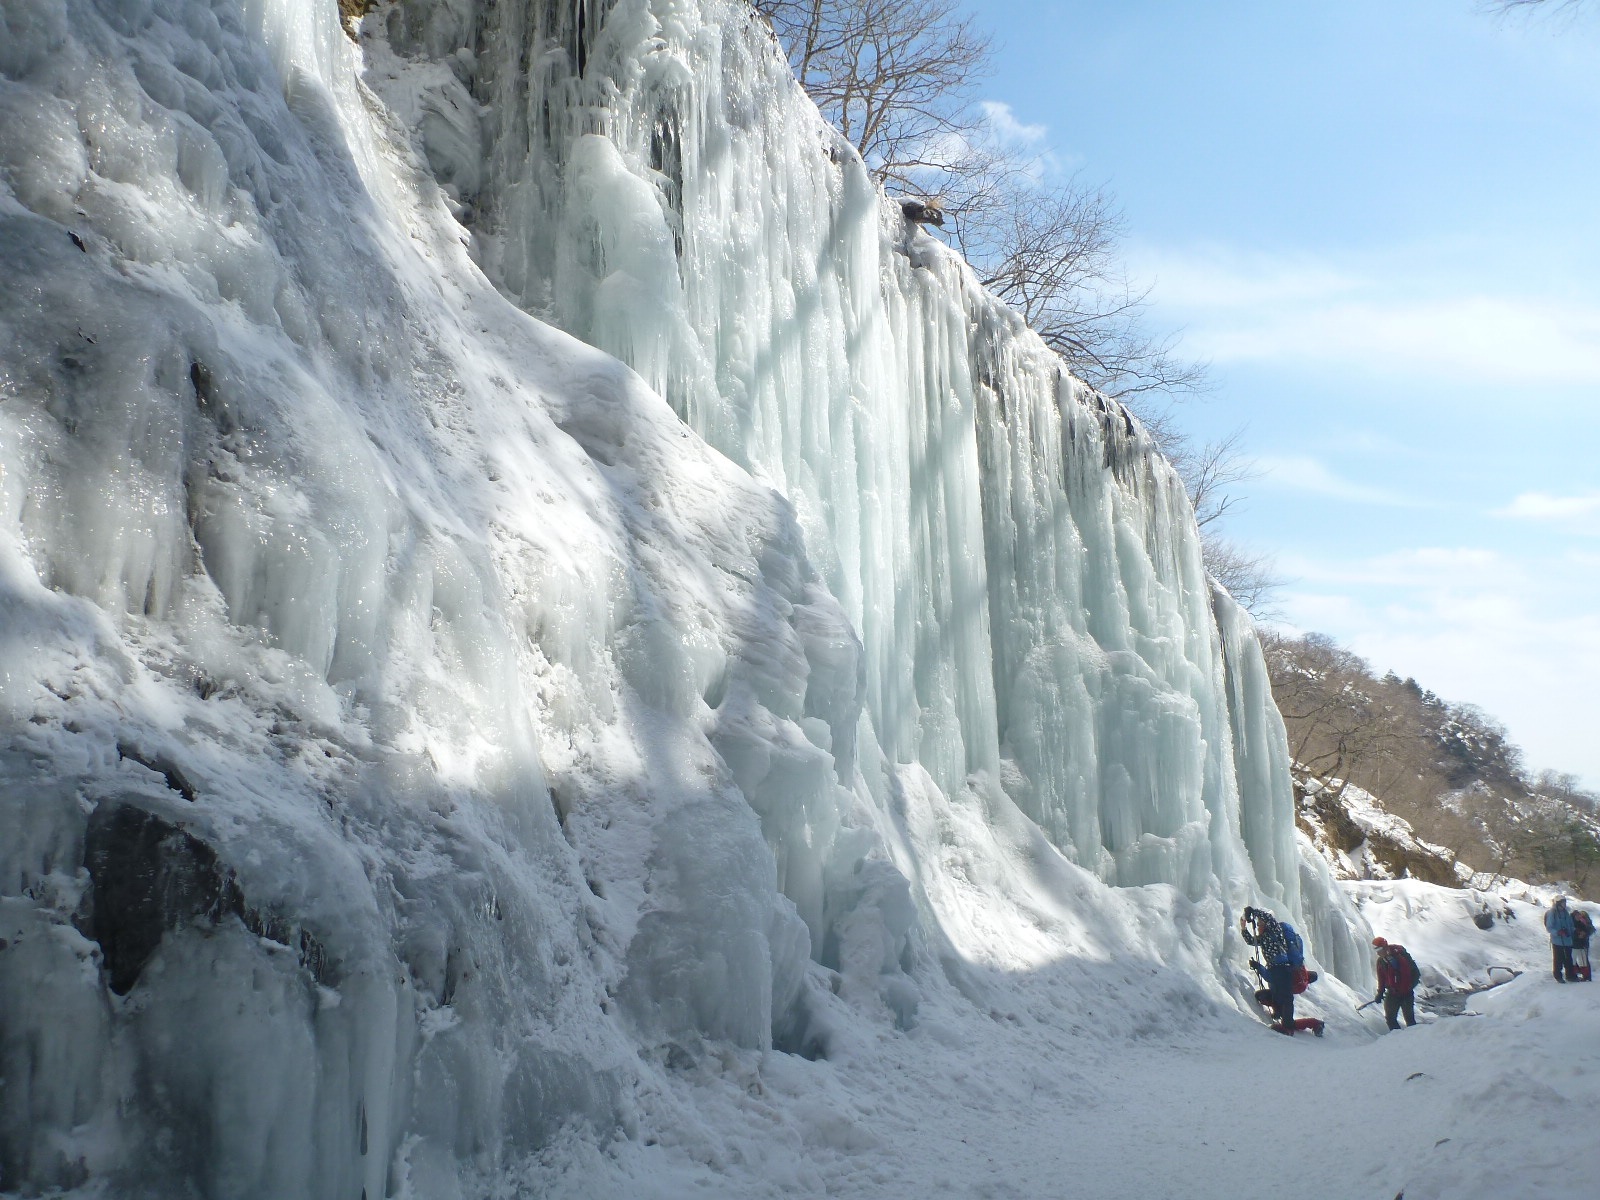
(1361, 840)
(150, 876)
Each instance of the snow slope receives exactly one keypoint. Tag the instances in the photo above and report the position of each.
(436, 759)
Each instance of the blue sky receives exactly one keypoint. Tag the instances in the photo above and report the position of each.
(1380, 222)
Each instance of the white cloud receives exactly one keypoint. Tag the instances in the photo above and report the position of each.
(999, 129)
(1217, 278)
(1003, 123)
(1542, 506)
(1520, 639)
(1396, 315)
(1477, 338)
(1433, 567)
(1304, 474)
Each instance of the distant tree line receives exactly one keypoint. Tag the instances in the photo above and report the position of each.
(900, 80)
(1449, 769)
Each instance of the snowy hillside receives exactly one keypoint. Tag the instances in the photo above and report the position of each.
(437, 758)
(1361, 840)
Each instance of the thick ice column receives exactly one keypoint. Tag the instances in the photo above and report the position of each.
(1110, 671)
(1261, 759)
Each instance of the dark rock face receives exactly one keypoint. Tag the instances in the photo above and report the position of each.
(1411, 863)
(149, 877)
(1342, 831)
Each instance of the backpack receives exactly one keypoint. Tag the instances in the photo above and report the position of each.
(1416, 971)
(1295, 948)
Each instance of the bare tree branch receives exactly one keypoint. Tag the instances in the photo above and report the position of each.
(1509, 5)
(1208, 471)
(1251, 579)
(895, 76)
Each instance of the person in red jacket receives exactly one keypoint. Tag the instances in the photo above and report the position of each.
(1582, 931)
(1397, 982)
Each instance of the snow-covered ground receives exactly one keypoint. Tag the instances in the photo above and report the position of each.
(1113, 1081)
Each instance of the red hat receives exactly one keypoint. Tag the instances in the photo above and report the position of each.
(1379, 942)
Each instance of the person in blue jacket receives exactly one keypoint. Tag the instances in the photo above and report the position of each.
(1279, 951)
(1558, 922)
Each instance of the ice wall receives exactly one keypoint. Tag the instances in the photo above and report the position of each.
(1023, 568)
(364, 650)
(418, 738)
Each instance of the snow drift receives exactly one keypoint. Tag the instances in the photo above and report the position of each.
(420, 729)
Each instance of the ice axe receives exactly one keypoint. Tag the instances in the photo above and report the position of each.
(1367, 1005)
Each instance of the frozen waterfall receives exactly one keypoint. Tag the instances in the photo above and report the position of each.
(1022, 568)
(419, 732)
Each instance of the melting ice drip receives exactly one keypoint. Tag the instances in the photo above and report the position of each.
(445, 723)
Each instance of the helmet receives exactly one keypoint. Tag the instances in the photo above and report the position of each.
(1379, 943)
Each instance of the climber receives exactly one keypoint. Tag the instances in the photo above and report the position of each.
(1398, 975)
(1303, 979)
(1558, 923)
(923, 211)
(1282, 952)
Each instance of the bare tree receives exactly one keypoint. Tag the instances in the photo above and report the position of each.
(1209, 471)
(1337, 723)
(1251, 578)
(1052, 251)
(895, 76)
(1447, 768)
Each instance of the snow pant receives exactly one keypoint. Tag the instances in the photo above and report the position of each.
(1561, 964)
(1580, 962)
(1280, 990)
(1396, 1003)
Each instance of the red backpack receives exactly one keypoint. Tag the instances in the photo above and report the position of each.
(1406, 972)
